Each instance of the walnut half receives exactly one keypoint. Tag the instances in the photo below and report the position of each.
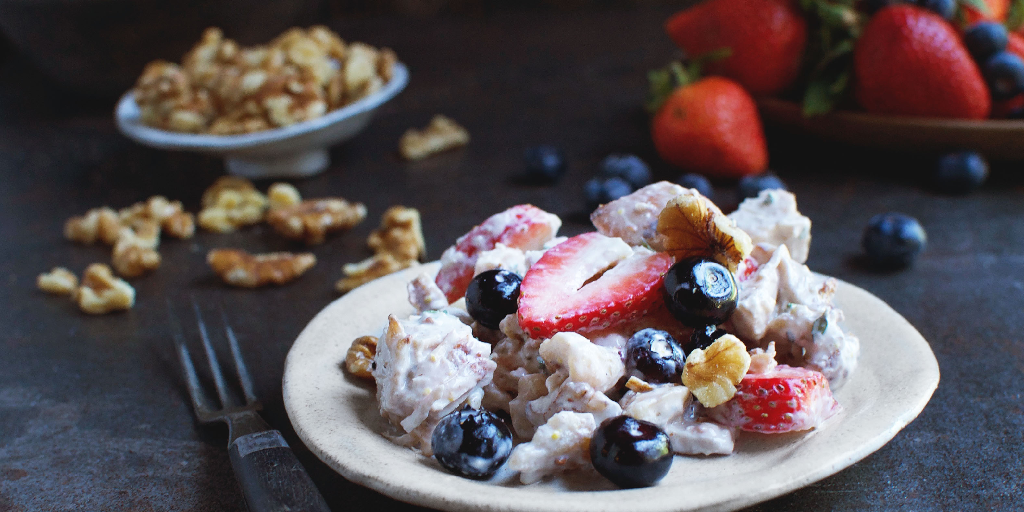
(359, 359)
(101, 292)
(312, 219)
(239, 268)
(440, 135)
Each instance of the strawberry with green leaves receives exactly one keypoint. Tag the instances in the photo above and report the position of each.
(910, 61)
(709, 125)
(766, 37)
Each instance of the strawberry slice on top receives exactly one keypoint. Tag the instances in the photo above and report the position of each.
(786, 399)
(524, 227)
(590, 282)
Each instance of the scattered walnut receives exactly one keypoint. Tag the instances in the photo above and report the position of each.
(638, 385)
(442, 134)
(359, 359)
(281, 195)
(239, 268)
(135, 250)
(312, 219)
(378, 265)
(100, 224)
(168, 214)
(59, 281)
(101, 292)
(231, 203)
(400, 234)
(222, 88)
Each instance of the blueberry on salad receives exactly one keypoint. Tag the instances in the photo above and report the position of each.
(751, 186)
(471, 443)
(960, 173)
(598, 191)
(1004, 74)
(893, 240)
(628, 167)
(704, 336)
(493, 295)
(654, 356)
(630, 452)
(696, 181)
(544, 164)
(985, 39)
(700, 292)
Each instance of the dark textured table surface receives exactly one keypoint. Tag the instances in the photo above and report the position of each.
(92, 412)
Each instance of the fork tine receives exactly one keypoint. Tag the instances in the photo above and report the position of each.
(243, 372)
(195, 391)
(211, 356)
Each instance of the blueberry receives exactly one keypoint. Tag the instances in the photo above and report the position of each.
(893, 240)
(492, 295)
(628, 167)
(471, 443)
(654, 356)
(751, 186)
(960, 173)
(544, 164)
(700, 292)
(944, 8)
(985, 39)
(598, 191)
(1017, 113)
(630, 452)
(697, 181)
(704, 336)
(1004, 74)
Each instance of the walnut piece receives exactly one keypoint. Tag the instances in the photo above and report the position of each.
(712, 374)
(440, 135)
(691, 225)
(281, 195)
(312, 219)
(400, 234)
(378, 265)
(222, 88)
(98, 224)
(239, 268)
(359, 359)
(135, 250)
(170, 216)
(102, 293)
(59, 281)
(231, 203)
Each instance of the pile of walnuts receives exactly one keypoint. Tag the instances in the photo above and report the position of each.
(221, 88)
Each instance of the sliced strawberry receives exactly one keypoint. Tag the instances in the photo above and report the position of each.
(590, 282)
(523, 227)
(785, 399)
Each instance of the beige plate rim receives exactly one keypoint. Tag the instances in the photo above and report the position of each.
(335, 416)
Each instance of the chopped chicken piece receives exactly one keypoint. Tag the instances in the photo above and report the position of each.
(672, 408)
(772, 218)
(763, 360)
(783, 301)
(564, 394)
(634, 218)
(598, 366)
(561, 444)
(427, 366)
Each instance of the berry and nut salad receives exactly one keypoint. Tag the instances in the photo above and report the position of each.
(668, 331)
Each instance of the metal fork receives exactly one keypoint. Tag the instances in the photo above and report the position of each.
(271, 477)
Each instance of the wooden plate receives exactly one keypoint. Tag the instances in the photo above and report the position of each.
(337, 417)
(996, 138)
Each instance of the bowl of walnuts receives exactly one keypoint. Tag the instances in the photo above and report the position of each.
(272, 111)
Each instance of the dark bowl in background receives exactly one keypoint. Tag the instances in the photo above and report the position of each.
(99, 47)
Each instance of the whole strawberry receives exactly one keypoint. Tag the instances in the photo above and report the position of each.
(766, 39)
(997, 10)
(712, 127)
(909, 61)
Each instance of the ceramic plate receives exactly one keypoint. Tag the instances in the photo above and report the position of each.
(336, 416)
(996, 138)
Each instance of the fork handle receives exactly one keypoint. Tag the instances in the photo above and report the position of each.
(271, 477)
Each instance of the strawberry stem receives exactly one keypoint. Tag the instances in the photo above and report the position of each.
(666, 80)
